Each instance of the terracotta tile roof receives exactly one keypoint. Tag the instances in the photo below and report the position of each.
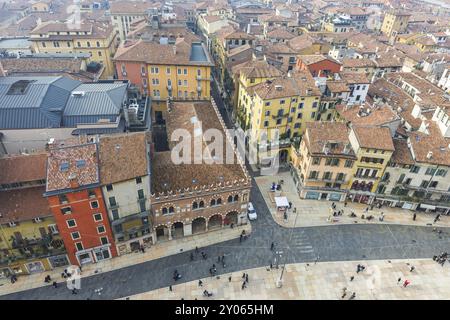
(259, 69)
(22, 168)
(238, 50)
(296, 85)
(374, 137)
(62, 166)
(280, 33)
(315, 58)
(402, 154)
(279, 48)
(239, 35)
(301, 42)
(94, 29)
(429, 93)
(338, 86)
(273, 18)
(169, 176)
(133, 7)
(255, 11)
(42, 65)
(399, 100)
(433, 141)
(320, 135)
(358, 63)
(211, 19)
(366, 115)
(122, 157)
(354, 77)
(156, 53)
(24, 204)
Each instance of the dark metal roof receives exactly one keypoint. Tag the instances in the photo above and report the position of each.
(39, 106)
(50, 102)
(91, 131)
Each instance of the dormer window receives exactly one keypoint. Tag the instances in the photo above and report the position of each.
(64, 166)
(81, 163)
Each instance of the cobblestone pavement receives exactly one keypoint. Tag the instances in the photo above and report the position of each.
(329, 243)
(321, 281)
(317, 212)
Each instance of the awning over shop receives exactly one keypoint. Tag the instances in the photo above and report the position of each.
(427, 206)
(281, 202)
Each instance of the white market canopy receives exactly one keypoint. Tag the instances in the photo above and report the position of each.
(281, 202)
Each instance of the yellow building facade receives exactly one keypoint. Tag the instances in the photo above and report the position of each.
(395, 23)
(278, 110)
(322, 164)
(99, 40)
(373, 147)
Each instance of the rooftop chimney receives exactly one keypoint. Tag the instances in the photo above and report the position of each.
(73, 180)
(174, 50)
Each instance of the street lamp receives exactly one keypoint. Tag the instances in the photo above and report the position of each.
(280, 280)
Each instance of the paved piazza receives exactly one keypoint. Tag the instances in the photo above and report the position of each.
(322, 281)
(345, 242)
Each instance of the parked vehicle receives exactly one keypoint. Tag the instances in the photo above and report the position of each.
(251, 212)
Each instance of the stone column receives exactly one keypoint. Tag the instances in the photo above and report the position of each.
(187, 229)
(169, 231)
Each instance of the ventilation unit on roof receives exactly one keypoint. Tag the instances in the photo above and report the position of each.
(278, 87)
(429, 154)
(78, 94)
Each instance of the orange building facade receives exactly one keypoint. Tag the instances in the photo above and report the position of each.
(76, 201)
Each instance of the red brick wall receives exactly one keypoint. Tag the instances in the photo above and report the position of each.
(134, 75)
(84, 217)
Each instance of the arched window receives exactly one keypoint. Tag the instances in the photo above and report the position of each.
(218, 201)
(195, 205)
(164, 210)
(213, 202)
(171, 210)
(236, 198)
(230, 199)
(201, 204)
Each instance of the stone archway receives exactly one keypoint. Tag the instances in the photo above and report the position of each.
(162, 233)
(177, 230)
(215, 222)
(231, 218)
(198, 225)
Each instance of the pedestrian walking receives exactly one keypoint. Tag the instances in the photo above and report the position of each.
(243, 285)
(344, 293)
(243, 276)
(170, 288)
(55, 284)
(398, 281)
(229, 279)
(406, 283)
(352, 277)
(353, 296)
(272, 246)
(345, 203)
(142, 249)
(246, 278)
(412, 269)
(414, 216)
(240, 238)
(196, 249)
(74, 291)
(200, 283)
(295, 209)
(223, 258)
(219, 259)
